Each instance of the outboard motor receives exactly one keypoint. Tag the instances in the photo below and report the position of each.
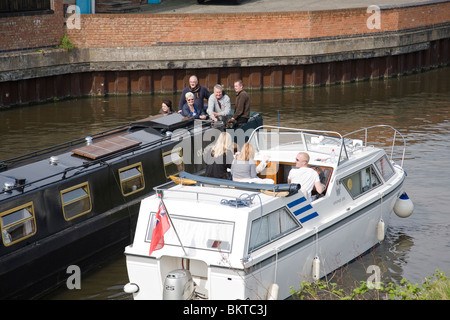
(178, 285)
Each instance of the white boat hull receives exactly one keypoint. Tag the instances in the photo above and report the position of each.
(227, 254)
(287, 267)
(295, 264)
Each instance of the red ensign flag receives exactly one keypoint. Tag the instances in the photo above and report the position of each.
(159, 229)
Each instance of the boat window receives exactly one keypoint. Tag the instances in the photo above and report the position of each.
(173, 162)
(76, 201)
(197, 233)
(131, 179)
(18, 224)
(271, 227)
(361, 182)
(273, 139)
(385, 168)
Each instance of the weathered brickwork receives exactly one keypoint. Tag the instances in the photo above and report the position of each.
(32, 31)
(141, 30)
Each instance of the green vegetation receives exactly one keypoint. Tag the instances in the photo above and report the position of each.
(435, 287)
(66, 43)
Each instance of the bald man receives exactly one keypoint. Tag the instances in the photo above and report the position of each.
(307, 178)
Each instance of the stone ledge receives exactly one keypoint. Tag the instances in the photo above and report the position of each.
(24, 65)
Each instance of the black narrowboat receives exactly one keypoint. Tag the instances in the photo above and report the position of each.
(77, 203)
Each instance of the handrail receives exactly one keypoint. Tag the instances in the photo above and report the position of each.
(294, 129)
(332, 134)
(366, 129)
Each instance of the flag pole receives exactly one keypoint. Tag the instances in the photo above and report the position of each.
(171, 222)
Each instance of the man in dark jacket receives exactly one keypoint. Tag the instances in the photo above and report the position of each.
(242, 106)
(200, 94)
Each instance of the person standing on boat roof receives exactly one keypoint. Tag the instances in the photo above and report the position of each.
(191, 109)
(200, 93)
(219, 105)
(307, 178)
(242, 106)
(166, 107)
(218, 158)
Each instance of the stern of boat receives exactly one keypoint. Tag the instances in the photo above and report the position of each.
(156, 279)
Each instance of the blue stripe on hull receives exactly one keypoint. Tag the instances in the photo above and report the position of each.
(296, 202)
(302, 209)
(309, 217)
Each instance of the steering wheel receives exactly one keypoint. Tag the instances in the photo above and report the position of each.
(322, 176)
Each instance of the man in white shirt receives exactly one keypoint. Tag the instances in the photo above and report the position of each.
(307, 178)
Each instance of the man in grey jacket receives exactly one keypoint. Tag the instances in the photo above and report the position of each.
(219, 105)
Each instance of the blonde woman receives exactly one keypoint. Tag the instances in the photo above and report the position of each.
(244, 167)
(218, 158)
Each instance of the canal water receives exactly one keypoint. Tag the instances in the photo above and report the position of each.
(417, 105)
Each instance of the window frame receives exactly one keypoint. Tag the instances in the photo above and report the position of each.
(345, 181)
(88, 195)
(211, 244)
(380, 168)
(259, 245)
(16, 209)
(137, 166)
(172, 151)
(30, 8)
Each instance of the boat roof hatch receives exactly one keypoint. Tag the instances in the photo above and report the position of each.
(106, 147)
(167, 123)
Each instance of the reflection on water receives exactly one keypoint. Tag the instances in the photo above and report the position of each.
(103, 283)
(417, 105)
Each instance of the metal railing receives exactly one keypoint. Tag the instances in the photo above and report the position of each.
(396, 133)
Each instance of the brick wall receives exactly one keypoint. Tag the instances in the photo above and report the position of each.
(35, 30)
(141, 30)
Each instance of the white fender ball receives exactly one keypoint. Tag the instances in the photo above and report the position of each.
(403, 206)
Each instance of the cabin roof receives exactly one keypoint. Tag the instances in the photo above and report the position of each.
(66, 164)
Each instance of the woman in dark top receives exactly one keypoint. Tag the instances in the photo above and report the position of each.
(166, 107)
(190, 109)
(219, 157)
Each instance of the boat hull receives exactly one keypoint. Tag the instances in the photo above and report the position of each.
(357, 233)
(287, 267)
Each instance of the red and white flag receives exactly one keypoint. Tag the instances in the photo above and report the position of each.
(159, 228)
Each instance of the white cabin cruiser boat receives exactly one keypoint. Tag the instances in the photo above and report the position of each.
(239, 240)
